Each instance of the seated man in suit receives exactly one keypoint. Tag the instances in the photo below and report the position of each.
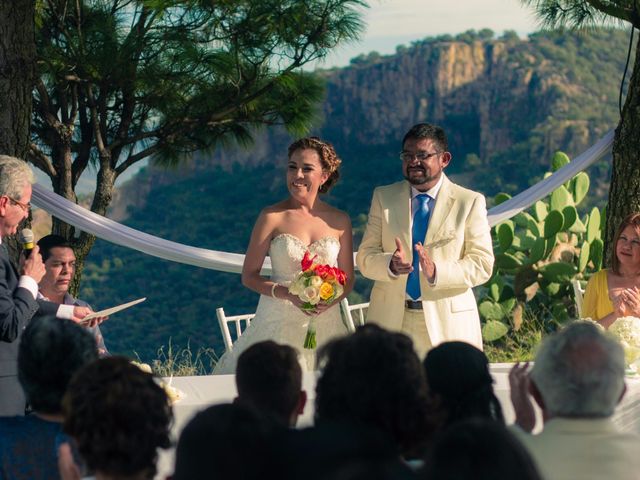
(577, 380)
(60, 263)
(269, 380)
(19, 286)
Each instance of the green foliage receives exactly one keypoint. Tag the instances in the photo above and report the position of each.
(580, 13)
(492, 330)
(120, 81)
(524, 333)
(537, 271)
(174, 78)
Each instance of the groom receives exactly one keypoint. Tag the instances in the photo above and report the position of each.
(427, 243)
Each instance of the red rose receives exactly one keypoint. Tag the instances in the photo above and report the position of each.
(340, 276)
(322, 271)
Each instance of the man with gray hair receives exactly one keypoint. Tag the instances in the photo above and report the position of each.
(577, 380)
(19, 286)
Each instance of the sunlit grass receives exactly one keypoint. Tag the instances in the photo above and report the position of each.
(183, 362)
(520, 343)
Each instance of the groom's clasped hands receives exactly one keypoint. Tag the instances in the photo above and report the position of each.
(400, 266)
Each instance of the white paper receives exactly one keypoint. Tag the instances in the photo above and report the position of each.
(112, 310)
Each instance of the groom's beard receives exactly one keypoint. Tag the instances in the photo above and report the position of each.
(420, 179)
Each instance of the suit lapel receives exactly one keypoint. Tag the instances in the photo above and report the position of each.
(444, 206)
(401, 203)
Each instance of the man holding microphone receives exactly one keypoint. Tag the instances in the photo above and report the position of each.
(19, 287)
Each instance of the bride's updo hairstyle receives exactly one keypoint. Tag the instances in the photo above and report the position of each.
(328, 158)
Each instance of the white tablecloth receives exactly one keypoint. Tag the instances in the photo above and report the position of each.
(201, 392)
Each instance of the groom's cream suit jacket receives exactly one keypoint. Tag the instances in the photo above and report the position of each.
(459, 242)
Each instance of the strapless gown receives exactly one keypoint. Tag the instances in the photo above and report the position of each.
(280, 320)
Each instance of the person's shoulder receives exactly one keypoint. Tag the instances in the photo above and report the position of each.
(462, 192)
(272, 215)
(391, 186)
(599, 276)
(391, 189)
(519, 433)
(79, 302)
(22, 425)
(340, 217)
(275, 209)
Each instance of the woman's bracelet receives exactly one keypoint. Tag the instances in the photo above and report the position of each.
(273, 289)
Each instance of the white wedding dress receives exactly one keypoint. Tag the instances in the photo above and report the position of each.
(280, 320)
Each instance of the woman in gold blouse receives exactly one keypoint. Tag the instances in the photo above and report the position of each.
(615, 292)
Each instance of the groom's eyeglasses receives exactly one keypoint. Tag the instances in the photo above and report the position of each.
(422, 156)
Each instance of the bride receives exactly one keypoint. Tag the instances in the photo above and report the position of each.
(285, 231)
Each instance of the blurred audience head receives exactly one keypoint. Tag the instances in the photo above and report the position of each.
(223, 441)
(269, 379)
(632, 222)
(51, 351)
(119, 417)
(338, 451)
(459, 384)
(478, 449)
(374, 378)
(578, 372)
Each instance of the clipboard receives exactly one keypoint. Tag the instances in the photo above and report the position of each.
(112, 310)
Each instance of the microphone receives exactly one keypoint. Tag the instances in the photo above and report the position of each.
(26, 239)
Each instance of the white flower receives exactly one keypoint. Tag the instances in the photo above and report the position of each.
(339, 290)
(627, 331)
(315, 281)
(296, 286)
(310, 294)
(145, 367)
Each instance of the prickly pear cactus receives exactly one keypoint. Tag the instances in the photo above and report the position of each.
(539, 253)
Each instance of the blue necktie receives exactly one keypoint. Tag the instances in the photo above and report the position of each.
(418, 232)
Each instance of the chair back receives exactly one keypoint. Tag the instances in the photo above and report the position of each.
(238, 320)
(578, 292)
(350, 311)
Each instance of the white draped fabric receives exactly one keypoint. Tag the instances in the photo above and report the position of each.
(531, 195)
(119, 234)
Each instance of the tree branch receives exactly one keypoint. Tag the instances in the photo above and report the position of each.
(137, 157)
(45, 105)
(613, 11)
(40, 160)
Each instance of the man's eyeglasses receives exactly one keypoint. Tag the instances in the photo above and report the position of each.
(24, 206)
(422, 156)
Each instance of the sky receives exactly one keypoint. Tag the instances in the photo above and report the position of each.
(399, 22)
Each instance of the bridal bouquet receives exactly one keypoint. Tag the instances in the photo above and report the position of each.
(627, 331)
(314, 284)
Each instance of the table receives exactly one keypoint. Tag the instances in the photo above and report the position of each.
(201, 392)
